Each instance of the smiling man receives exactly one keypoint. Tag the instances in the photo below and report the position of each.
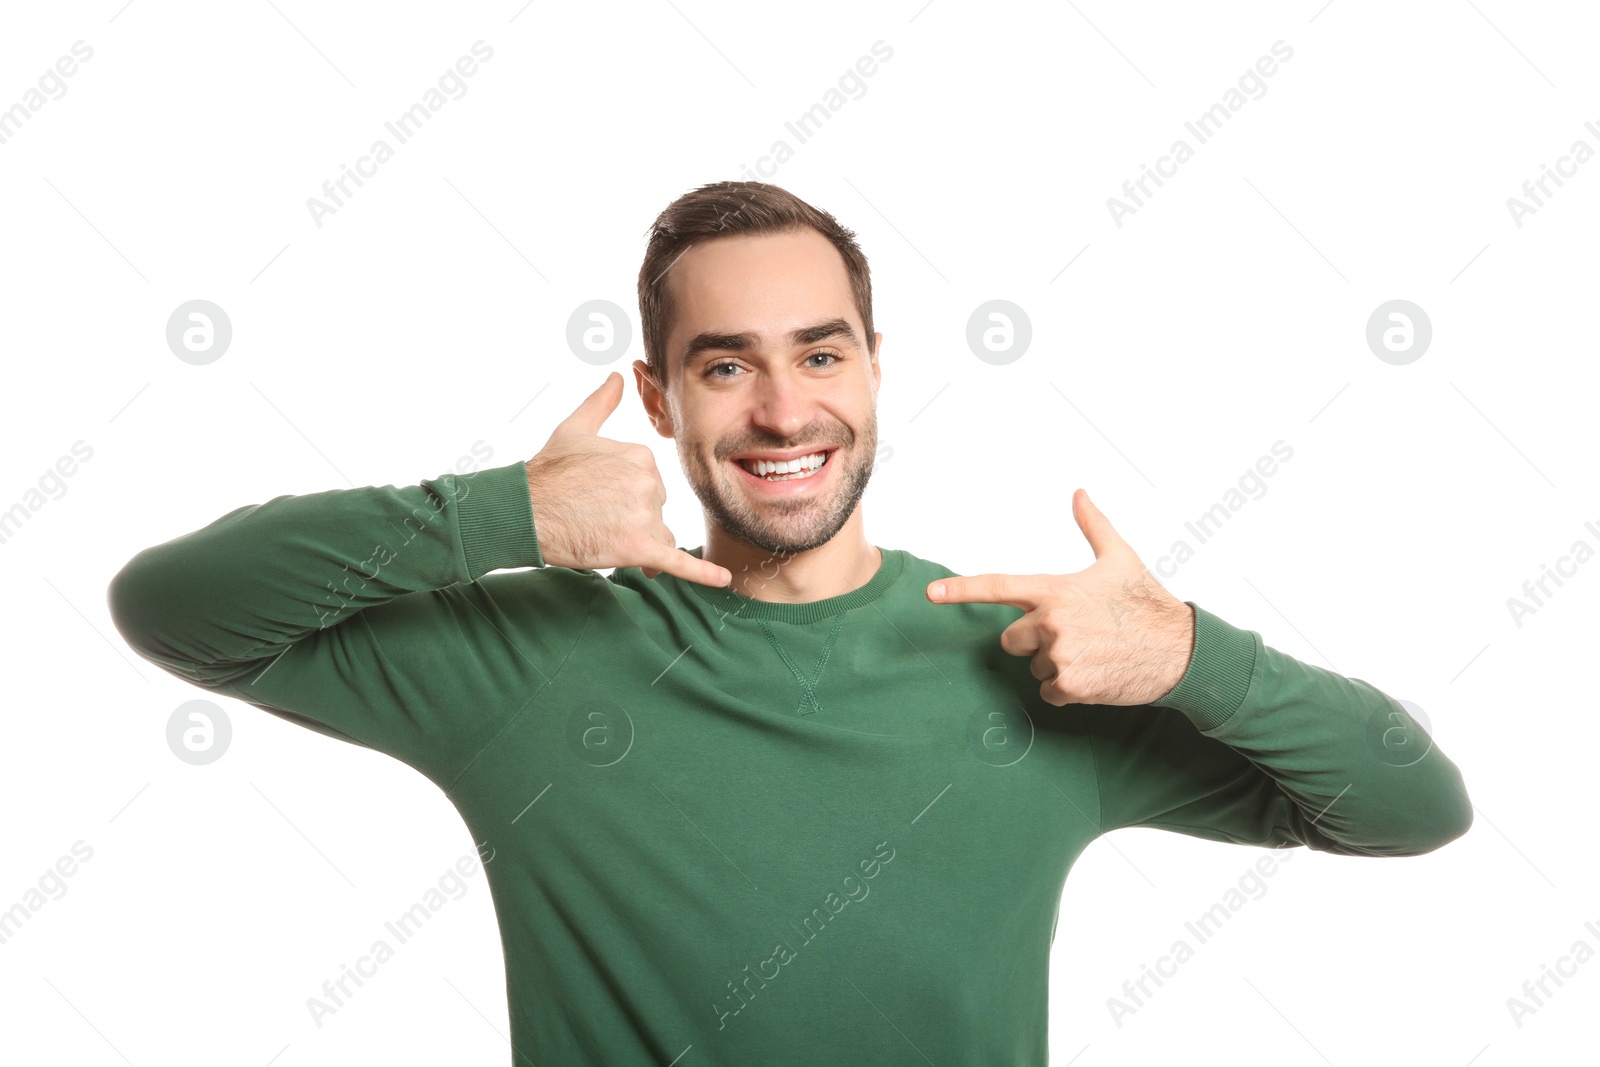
(763, 371)
(786, 797)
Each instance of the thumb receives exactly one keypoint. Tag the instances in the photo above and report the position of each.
(595, 409)
(1097, 529)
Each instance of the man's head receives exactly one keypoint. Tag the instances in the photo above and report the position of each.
(756, 312)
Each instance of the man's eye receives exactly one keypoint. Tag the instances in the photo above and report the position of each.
(711, 371)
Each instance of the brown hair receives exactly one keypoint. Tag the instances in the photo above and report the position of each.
(730, 209)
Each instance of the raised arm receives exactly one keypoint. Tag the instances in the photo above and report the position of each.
(354, 612)
(360, 613)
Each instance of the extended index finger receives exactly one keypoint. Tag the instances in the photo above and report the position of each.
(1023, 591)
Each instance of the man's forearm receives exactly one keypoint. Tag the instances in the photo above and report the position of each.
(210, 604)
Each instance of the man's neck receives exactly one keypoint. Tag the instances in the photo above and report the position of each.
(845, 563)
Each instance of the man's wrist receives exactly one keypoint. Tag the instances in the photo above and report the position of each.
(1183, 639)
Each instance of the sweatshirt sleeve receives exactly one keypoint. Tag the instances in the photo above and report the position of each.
(359, 613)
(1256, 747)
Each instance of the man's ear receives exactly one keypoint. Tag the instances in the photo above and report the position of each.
(877, 364)
(655, 401)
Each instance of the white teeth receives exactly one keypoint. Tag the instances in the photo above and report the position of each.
(762, 467)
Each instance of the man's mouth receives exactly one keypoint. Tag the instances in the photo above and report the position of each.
(797, 469)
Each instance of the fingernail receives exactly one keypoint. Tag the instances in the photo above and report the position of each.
(937, 592)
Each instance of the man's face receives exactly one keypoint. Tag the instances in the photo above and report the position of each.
(766, 359)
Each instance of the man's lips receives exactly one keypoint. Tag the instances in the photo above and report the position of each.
(779, 457)
(791, 483)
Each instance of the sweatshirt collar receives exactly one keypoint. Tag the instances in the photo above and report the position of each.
(731, 603)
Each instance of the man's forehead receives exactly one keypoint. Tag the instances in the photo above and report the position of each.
(736, 271)
(760, 291)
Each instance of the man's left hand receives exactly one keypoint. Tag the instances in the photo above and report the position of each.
(1108, 634)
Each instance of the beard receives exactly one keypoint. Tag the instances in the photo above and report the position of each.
(791, 525)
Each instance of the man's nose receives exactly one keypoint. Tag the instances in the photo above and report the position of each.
(783, 405)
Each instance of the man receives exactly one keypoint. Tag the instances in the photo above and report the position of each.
(788, 797)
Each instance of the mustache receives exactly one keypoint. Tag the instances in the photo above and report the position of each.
(776, 446)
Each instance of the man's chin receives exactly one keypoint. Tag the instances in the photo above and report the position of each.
(782, 527)
(781, 533)
(783, 523)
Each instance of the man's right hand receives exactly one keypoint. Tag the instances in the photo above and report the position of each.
(597, 502)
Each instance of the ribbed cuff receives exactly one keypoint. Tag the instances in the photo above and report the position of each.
(1218, 677)
(496, 520)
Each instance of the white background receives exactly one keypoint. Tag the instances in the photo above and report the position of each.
(428, 314)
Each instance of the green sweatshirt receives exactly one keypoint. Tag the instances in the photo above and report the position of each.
(719, 830)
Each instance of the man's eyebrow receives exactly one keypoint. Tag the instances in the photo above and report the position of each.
(711, 341)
